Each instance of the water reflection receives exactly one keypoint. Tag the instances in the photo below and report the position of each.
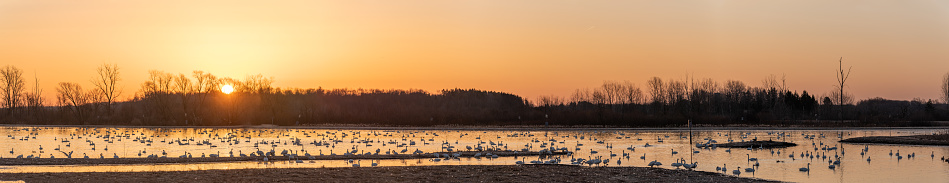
(829, 161)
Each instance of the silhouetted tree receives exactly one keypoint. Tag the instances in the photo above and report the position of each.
(156, 92)
(73, 99)
(656, 87)
(184, 90)
(631, 94)
(175, 99)
(734, 91)
(771, 82)
(945, 88)
(612, 91)
(842, 97)
(205, 84)
(105, 83)
(12, 88)
(675, 92)
(35, 102)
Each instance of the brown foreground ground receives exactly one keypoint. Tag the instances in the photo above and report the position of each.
(938, 139)
(464, 173)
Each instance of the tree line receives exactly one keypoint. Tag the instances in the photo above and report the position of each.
(196, 99)
(670, 102)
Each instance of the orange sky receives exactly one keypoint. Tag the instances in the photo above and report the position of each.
(898, 49)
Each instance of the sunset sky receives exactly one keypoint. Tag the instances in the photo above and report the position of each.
(898, 49)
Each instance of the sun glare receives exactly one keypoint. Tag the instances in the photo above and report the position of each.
(227, 89)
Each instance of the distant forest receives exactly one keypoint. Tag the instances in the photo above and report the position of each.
(167, 99)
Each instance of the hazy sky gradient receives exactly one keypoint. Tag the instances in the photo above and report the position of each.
(898, 49)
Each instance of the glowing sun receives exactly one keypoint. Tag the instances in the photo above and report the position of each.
(227, 89)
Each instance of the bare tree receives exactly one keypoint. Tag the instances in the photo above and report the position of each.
(204, 84)
(156, 90)
(72, 97)
(95, 97)
(106, 82)
(655, 89)
(703, 91)
(259, 86)
(708, 85)
(598, 97)
(841, 96)
(158, 82)
(734, 88)
(631, 93)
(771, 82)
(12, 88)
(945, 88)
(611, 91)
(734, 91)
(183, 84)
(549, 100)
(256, 84)
(580, 95)
(675, 91)
(34, 100)
(784, 84)
(184, 90)
(844, 99)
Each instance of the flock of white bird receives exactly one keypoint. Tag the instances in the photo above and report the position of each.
(589, 148)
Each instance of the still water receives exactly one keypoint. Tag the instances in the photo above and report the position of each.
(613, 147)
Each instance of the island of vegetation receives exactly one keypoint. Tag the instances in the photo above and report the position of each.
(941, 139)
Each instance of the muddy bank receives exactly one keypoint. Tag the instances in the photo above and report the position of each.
(938, 140)
(462, 173)
(107, 160)
(757, 144)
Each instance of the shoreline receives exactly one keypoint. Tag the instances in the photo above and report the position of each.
(443, 173)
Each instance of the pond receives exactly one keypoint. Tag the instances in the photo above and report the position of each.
(614, 147)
